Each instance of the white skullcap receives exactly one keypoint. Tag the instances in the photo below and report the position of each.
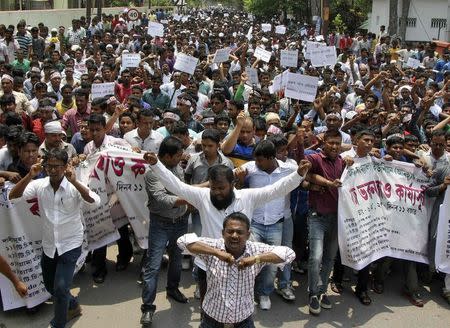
(53, 127)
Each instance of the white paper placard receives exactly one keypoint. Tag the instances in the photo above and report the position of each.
(226, 14)
(155, 29)
(177, 17)
(323, 56)
(249, 33)
(262, 54)
(130, 60)
(222, 55)
(252, 75)
(302, 87)
(102, 89)
(276, 83)
(311, 45)
(185, 63)
(266, 27)
(289, 58)
(164, 21)
(280, 29)
(184, 19)
(413, 63)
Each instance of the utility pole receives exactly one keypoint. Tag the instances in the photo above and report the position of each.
(99, 8)
(325, 17)
(447, 36)
(88, 9)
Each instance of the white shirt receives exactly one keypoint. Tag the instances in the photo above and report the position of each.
(91, 148)
(151, 143)
(61, 213)
(274, 210)
(245, 201)
(5, 158)
(169, 88)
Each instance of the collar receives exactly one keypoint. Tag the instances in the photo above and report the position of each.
(64, 183)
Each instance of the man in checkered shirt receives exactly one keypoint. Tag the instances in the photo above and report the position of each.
(232, 264)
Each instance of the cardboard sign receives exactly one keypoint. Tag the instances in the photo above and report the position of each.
(289, 58)
(323, 56)
(266, 27)
(413, 63)
(252, 75)
(102, 89)
(222, 55)
(262, 54)
(155, 29)
(130, 60)
(280, 29)
(302, 87)
(185, 63)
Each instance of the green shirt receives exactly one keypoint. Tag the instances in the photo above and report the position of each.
(24, 65)
(161, 101)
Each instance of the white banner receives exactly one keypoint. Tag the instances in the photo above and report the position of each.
(155, 29)
(323, 56)
(130, 60)
(262, 54)
(222, 55)
(302, 87)
(185, 63)
(102, 89)
(382, 212)
(21, 228)
(311, 45)
(289, 58)
(442, 256)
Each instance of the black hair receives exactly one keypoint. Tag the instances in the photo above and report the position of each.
(392, 140)
(97, 119)
(266, 149)
(362, 133)
(219, 96)
(260, 124)
(438, 133)
(220, 171)
(222, 117)
(99, 102)
(66, 86)
(82, 93)
(146, 113)
(239, 104)
(237, 216)
(3, 130)
(179, 128)
(7, 99)
(13, 119)
(59, 154)
(411, 137)
(211, 134)
(332, 134)
(170, 146)
(278, 140)
(29, 137)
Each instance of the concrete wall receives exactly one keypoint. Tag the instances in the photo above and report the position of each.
(422, 10)
(56, 17)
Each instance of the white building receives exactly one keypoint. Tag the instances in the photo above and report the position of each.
(427, 19)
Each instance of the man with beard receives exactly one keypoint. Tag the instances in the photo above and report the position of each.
(221, 198)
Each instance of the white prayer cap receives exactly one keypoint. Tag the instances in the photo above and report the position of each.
(55, 75)
(53, 127)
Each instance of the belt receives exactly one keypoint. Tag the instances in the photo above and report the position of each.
(168, 220)
(216, 324)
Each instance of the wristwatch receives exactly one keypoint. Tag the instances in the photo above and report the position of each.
(257, 259)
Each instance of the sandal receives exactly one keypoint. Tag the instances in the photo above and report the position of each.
(415, 299)
(337, 287)
(363, 298)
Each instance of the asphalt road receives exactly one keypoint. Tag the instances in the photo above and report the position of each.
(116, 303)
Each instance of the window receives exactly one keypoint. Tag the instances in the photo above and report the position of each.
(410, 22)
(438, 22)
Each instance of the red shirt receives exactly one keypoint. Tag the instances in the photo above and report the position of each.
(326, 202)
(38, 129)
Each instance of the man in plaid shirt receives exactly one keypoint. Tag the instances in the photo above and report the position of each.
(232, 264)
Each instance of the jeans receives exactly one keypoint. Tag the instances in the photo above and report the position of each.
(323, 245)
(284, 276)
(269, 234)
(162, 232)
(57, 273)
(208, 322)
(409, 273)
(300, 239)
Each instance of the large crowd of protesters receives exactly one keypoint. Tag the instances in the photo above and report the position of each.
(250, 174)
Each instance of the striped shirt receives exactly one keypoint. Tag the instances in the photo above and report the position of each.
(24, 42)
(229, 297)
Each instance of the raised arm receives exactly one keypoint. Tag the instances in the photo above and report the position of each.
(193, 195)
